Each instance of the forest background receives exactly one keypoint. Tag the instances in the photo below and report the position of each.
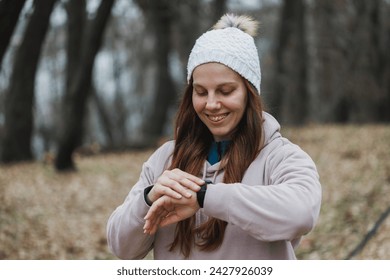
(91, 87)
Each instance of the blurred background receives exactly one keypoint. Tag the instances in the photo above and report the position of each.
(103, 78)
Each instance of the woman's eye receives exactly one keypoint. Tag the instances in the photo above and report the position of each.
(201, 93)
(226, 91)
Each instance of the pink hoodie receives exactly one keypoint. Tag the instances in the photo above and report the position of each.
(276, 203)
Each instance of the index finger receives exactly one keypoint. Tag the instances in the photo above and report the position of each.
(188, 176)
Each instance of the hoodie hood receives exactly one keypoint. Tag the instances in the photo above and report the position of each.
(271, 128)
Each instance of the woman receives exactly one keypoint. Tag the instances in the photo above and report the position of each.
(229, 186)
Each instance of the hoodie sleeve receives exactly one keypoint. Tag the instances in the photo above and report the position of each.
(125, 235)
(285, 208)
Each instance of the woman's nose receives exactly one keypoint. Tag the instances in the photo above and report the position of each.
(212, 102)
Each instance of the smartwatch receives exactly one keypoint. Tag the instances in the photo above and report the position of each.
(146, 192)
(201, 193)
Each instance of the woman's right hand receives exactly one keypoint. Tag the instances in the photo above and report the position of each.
(175, 183)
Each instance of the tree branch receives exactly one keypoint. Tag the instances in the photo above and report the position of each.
(370, 234)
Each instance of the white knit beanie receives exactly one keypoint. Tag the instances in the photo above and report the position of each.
(230, 43)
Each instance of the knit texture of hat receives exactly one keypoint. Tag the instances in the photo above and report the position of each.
(229, 46)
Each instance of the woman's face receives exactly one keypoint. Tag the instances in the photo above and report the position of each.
(219, 98)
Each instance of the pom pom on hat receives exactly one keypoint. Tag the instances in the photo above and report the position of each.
(244, 23)
(229, 43)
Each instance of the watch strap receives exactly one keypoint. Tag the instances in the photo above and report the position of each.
(200, 195)
(146, 192)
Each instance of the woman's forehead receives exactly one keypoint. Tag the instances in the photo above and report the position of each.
(214, 73)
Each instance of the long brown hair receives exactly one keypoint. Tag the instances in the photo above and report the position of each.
(192, 143)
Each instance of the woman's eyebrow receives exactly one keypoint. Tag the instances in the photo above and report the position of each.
(227, 84)
(219, 85)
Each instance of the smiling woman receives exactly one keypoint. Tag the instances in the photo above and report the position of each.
(229, 186)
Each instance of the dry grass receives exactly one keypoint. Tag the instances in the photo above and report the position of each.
(45, 215)
(354, 165)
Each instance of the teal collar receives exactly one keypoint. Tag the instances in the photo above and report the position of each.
(217, 151)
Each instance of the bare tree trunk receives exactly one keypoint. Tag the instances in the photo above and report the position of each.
(75, 107)
(327, 61)
(291, 56)
(75, 30)
(186, 18)
(117, 121)
(16, 144)
(159, 16)
(386, 68)
(366, 89)
(9, 14)
(104, 118)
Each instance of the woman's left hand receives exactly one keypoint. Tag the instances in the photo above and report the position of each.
(167, 210)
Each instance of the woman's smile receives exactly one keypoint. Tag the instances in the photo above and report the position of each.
(217, 118)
